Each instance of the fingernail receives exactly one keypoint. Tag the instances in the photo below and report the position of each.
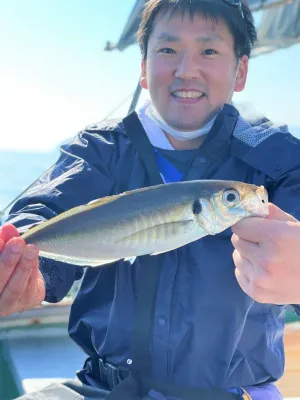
(16, 247)
(30, 253)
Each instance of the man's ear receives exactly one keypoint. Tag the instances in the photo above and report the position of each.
(242, 73)
(143, 80)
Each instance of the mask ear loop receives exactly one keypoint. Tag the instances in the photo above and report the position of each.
(237, 71)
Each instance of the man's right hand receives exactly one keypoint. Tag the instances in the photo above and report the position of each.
(21, 282)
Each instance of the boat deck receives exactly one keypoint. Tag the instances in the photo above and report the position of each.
(32, 377)
(289, 385)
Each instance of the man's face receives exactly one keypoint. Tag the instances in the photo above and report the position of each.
(191, 69)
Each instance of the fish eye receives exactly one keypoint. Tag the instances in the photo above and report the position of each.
(231, 196)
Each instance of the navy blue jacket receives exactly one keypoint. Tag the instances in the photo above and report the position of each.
(206, 330)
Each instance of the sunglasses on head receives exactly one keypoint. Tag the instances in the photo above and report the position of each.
(235, 3)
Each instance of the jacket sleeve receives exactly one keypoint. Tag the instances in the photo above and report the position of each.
(83, 172)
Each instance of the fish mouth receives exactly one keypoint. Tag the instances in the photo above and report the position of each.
(261, 214)
(258, 205)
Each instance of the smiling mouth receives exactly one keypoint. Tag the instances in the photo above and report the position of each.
(188, 94)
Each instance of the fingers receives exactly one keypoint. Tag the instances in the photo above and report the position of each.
(253, 252)
(257, 230)
(244, 246)
(35, 291)
(7, 232)
(243, 281)
(17, 284)
(279, 215)
(256, 289)
(254, 281)
(21, 285)
(253, 229)
(244, 267)
(269, 234)
(9, 258)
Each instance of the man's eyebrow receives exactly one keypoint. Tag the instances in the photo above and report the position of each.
(168, 37)
(210, 38)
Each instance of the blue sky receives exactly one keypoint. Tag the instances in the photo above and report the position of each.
(55, 77)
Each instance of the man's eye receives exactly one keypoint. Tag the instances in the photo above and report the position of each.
(166, 50)
(209, 52)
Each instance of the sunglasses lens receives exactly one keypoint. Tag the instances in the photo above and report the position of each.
(235, 3)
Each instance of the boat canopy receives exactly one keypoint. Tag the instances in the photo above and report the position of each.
(278, 27)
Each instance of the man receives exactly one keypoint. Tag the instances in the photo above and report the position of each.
(182, 324)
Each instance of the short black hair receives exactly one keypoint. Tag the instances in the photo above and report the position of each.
(242, 29)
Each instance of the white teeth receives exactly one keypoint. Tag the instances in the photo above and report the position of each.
(191, 94)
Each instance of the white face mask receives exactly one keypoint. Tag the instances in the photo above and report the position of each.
(152, 113)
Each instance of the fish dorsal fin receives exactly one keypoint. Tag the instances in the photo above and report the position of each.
(83, 208)
(109, 199)
(103, 200)
(88, 206)
(71, 212)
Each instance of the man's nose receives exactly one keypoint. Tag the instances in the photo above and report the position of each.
(188, 68)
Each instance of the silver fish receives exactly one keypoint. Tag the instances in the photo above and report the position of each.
(150, 220)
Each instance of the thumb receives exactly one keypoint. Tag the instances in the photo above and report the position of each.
(278, 214)
(7, 232)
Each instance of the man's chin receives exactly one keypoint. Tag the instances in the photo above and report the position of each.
(186, 127)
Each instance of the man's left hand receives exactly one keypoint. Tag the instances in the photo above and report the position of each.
(267, 257)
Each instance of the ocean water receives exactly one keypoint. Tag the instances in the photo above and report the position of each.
(20, 169)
